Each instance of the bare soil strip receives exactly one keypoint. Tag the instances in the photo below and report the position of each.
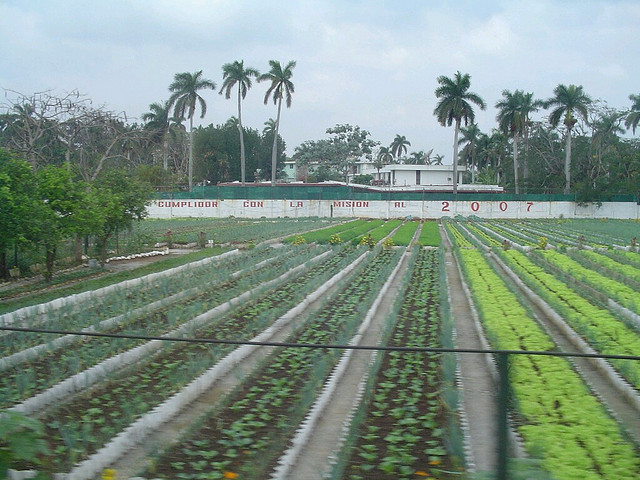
(477, 386)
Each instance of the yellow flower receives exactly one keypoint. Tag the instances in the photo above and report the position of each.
(420, 473)
(109, 474)
(435, 462)
(230, 475)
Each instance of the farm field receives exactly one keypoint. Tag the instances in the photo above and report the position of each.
(171, 338)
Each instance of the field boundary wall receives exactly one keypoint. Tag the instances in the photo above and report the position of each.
(331, 208)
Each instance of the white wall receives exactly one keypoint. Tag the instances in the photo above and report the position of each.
(386, 209)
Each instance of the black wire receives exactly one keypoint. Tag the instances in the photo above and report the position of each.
(322, 345)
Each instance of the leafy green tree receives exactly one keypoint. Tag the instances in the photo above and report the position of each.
(119, 199)
(184, 99)
(281, 87)
(236, 74)
(63, 208)
(346, 144)
(399, 146)
(633, 117)
(567, 102)
(16, 190)
(454, 106)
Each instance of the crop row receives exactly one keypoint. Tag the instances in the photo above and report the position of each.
(77, 428)
(324, 235)
(506, 230)
(404, 235)
(556, 415)
(402, 432)
(455, 235)
(430, 234)
(382, 231)
(613, 262)
(621, 293)
(122, 300)
(245, 437)
(598, 326)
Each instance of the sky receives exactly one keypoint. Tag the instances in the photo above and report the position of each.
(370, 63)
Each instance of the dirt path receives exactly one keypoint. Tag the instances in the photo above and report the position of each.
(477, 387)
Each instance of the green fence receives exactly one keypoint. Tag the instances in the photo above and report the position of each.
(344, 192)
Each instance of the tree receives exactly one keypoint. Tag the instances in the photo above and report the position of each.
(346, 144)
(454, 106)
(420, 158)
(159, 121)
(269, 127)
(566, 103)
(232, 74)
(470, 137)
(281, 87)
(185, 98)
(63, 208)
(399, 145)
(120, 198)
(512, 123)
(633, 117)
(16, 198)
(513, 120)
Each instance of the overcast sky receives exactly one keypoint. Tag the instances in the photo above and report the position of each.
(364, 62)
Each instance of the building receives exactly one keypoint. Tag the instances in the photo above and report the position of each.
(417, 177)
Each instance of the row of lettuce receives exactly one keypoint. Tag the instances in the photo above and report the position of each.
(557, 416)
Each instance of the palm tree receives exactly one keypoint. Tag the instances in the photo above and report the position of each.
(399, 146)
(437, 159)
(527, 106)
(512, 123)
(185, 98)
(470, 136)
(269, 127)
(232, 74)
(383, 157)
(566, 102)
(281, 86)
(158, 121)
(633, 117)
(454, 107)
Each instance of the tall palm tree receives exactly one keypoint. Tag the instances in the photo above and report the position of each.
(567, 102)
(512, 123)
(236, 74)
(633, 117)
(281, 87)
(158, 120)
(470, 136)
(399, 146)
(454, 106)
(437, 159)
(184, 99)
